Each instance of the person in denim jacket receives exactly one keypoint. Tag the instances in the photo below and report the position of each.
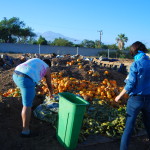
(138, 88)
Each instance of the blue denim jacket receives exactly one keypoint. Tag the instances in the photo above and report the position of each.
(138, 82)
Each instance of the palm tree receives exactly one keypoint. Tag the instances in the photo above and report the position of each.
(121, 39)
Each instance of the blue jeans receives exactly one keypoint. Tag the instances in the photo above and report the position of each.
(135, 104)
(27, 88)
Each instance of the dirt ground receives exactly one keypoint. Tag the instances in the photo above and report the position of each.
(10, 122)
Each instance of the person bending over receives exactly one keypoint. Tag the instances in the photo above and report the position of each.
(26, 76)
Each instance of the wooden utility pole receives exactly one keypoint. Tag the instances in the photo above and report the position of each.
(101, 33)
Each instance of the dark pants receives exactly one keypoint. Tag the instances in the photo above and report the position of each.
(134, 106)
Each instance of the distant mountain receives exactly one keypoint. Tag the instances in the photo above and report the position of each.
(51, 36)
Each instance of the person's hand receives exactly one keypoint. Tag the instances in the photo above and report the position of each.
(117, 98)
(51, 96)
(120, 95)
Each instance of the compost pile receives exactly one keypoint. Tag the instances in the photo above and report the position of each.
(100, 117)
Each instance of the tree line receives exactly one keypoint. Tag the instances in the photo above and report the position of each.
(15, 31)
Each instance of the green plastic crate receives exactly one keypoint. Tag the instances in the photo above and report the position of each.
(70, 116)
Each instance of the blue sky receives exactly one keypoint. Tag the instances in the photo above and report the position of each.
(82, 19)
